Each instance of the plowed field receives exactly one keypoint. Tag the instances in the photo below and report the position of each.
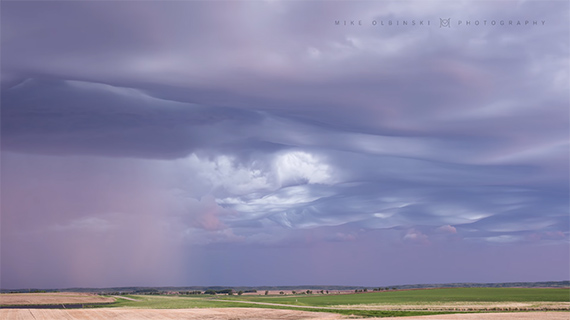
(51, 298)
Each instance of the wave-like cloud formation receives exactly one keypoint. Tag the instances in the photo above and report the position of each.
(182, 128)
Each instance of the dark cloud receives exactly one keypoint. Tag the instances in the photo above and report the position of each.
(69, 117)
(219, 136)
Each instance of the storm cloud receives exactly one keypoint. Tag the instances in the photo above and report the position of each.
(177, 138)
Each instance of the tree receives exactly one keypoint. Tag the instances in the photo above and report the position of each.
(281, 292)
(293, 292)
(240, 293)
(266, 292)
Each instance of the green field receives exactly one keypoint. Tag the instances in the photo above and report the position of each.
(172, 302)
(331, 303)
(185, 302)
(425, 296)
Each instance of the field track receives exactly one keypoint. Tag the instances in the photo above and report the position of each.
(240, 313)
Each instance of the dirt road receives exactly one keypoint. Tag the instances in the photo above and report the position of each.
(126, 298)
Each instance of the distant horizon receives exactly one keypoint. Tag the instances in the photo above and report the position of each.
(306, 286)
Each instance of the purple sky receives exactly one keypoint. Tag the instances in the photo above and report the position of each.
(259, 143)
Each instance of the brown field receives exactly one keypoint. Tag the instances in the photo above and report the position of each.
(163, 314)
(51, 298)
(240, 313)
(237, 313)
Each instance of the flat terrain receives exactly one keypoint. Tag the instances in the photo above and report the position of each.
(421, 297)
(497, 316)
(466, 306)
(448, 299)
(240, 313)
(465, 303)
(441, 307)
(159, 314)
(51, 298)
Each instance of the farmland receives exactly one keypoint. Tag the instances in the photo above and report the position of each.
(164, 314)
(52, 298)
(177, 302)
(449, 295)
(241, 313)
(467, 302)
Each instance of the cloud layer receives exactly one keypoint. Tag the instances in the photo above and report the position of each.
(179, 137)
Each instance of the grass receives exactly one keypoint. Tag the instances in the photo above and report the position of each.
(328, 302)
(185, 302)
(173, 302)
(427, 296)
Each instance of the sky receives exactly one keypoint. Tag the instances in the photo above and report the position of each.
(251, 143)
